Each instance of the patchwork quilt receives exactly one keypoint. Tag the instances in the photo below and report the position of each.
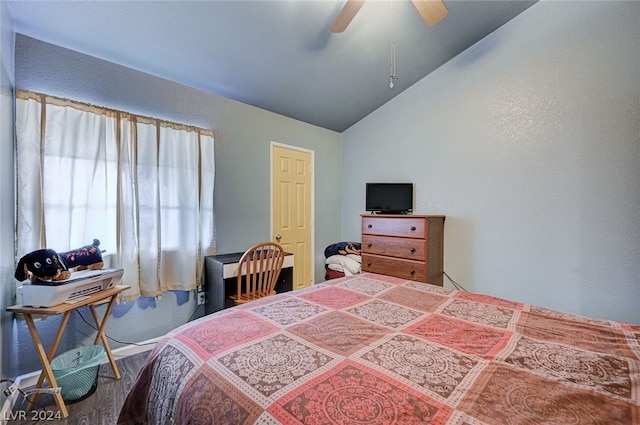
(378, 350)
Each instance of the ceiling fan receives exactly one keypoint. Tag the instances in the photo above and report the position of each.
(432, 11)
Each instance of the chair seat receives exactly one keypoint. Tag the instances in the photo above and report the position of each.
(245, 298)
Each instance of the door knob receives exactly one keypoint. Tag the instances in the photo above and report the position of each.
(278, 237)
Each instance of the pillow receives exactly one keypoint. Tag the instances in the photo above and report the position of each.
(343, 263)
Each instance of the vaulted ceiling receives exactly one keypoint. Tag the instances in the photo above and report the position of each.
(276, 55)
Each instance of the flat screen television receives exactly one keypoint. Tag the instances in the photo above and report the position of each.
(389, 198)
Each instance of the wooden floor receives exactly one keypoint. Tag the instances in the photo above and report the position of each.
(101, 408)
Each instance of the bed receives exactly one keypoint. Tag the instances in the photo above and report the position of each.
(378, 350)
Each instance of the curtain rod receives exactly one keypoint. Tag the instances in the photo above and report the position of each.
(101, 110)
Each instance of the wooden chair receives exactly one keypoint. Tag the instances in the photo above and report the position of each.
(261, 265)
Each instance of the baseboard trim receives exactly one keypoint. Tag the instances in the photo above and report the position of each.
(31, 379)
(130, 350)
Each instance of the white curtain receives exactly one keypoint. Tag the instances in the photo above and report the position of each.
(143, 187)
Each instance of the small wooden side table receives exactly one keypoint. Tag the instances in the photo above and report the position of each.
(108, 295)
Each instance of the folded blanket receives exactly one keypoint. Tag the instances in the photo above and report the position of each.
(343, 248)
(347, 264)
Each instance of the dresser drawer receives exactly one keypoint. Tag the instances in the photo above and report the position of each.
(404, 269)
(408, 227)
(413, 249)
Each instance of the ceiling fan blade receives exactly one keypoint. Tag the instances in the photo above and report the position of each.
(345, 16)
(432, 11)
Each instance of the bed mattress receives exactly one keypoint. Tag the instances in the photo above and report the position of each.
(374, 349)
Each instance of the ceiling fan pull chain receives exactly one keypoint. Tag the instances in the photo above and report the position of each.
(393, 47)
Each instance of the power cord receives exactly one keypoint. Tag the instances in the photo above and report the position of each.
(125, 342)
(12, 388)
(112, 339)
(194, 312)
(454, 283)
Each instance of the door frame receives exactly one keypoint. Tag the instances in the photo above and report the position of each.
(313, 190)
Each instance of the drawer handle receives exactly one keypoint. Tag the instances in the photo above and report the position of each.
(412, 272)
(368, 263)
(413, 228)
(369, 245)
(413, 250)
(369, 226)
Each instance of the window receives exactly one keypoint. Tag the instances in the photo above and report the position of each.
(143, 187)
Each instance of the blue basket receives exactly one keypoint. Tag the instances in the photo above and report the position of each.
(76, 371)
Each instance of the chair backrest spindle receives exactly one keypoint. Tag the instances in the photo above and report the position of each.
(258, 272)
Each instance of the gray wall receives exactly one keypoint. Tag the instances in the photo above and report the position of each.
(8, 364)
(242, 139)
(529, 142)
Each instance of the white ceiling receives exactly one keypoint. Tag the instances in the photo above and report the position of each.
(276, 55)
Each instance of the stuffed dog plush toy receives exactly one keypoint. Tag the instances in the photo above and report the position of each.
(49, 265)
(87, 257)
(44, 265)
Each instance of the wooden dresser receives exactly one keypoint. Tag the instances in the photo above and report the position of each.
(405, 246)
